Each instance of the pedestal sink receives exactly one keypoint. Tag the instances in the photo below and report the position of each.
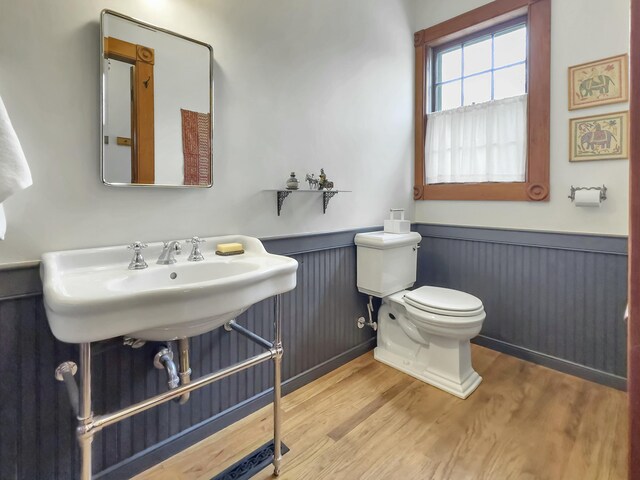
(91, 295)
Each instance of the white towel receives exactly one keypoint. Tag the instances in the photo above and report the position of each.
(3, 223)
(14, 170)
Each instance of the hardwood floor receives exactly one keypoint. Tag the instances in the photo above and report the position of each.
(368, 421)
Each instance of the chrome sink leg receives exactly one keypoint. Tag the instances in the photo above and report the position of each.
(85, 415)
(277, 392)
(89, 424)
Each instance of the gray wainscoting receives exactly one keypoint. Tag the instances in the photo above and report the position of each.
(36, 425)
(555, 299)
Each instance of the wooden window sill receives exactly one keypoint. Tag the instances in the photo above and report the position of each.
(513, 191)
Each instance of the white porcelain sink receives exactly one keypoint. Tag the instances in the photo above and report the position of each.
(91, 295)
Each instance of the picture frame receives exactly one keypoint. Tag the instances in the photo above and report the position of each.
(599, 137)
(601, 82)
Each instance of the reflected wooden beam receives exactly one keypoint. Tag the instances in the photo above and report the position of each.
(142, 104)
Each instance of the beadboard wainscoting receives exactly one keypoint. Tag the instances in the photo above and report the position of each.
(37, 439)
(552, 298)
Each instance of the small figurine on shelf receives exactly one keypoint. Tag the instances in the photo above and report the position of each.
(323, 183)
(292, 183)
(312, 181)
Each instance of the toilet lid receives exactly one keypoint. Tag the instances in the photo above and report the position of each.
(444, 301)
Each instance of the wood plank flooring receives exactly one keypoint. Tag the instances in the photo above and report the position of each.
(368, 421)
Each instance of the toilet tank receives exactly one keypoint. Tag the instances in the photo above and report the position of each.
(387, 262)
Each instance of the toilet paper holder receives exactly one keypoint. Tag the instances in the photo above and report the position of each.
(603, 192)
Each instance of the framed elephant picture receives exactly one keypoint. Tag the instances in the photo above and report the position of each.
(599, 83)
(599, 137)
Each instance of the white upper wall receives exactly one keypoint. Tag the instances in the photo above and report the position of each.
(581, 31)
(299, 85)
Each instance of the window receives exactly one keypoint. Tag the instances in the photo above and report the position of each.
(487, 66)
(479, 67)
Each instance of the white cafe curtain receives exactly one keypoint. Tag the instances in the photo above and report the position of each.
(486, 142)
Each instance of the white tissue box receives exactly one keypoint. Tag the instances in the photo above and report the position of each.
(397, 225)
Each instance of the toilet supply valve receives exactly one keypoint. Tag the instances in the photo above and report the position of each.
(362, 322)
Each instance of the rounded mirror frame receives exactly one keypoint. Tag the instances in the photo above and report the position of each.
(103, 15)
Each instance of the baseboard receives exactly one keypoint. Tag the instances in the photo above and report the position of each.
(161, 451)
(555, 363)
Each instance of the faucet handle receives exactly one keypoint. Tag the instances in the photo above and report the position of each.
(137, 262)
(195, 240)
(137, 245)
(196, 254)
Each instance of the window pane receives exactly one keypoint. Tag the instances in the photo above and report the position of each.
(448, 96)
(477, 89)
(509, 82)
(510, 47)
(450, 65)
(477, 56)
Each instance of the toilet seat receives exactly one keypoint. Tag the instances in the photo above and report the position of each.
(443, 323)
(444, 301)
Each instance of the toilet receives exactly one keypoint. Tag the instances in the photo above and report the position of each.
(423, 332)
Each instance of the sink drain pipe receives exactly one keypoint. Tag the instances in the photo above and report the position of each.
(185, 368)
(164, 361)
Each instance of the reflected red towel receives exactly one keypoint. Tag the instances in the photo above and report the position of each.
(196, 147)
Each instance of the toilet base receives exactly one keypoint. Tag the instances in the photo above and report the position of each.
(416, 369)
(444, 362)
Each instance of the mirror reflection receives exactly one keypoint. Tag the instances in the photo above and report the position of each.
(157, 106)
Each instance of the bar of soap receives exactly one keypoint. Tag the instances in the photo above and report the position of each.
(229, 248)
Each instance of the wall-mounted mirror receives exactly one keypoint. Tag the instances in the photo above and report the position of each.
(157, 105)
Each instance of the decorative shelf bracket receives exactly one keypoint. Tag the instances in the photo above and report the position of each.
(326, 196)
(282, 194)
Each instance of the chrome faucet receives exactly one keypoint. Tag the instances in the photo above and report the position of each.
(137, 262)
(169, 252)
